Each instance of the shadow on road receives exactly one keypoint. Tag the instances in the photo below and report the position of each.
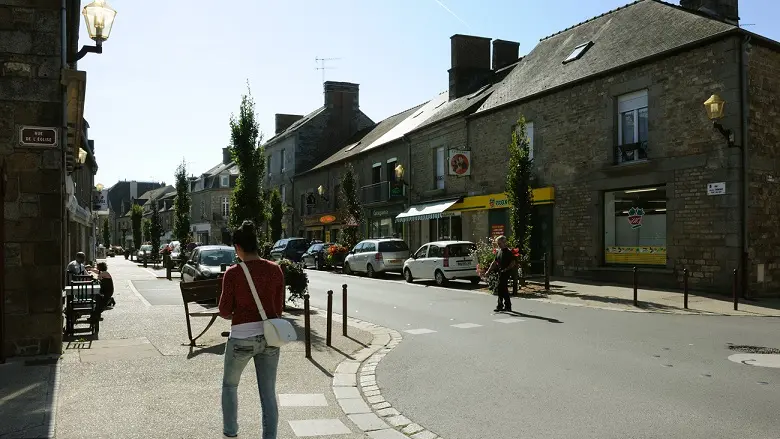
(519, 314)
(218, 349)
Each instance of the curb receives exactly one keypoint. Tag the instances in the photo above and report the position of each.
(358, 394)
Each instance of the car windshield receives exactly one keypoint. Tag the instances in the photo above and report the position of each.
(460, 250)
(393, 246)
(213, 258)
(146, 248)
(297, 243)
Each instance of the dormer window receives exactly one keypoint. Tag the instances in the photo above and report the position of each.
(224, 180)
(578, 52)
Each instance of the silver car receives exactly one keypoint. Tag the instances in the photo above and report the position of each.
(374, 256)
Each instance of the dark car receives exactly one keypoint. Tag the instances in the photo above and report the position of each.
(315, 255)
(289, 248)
(206, 262)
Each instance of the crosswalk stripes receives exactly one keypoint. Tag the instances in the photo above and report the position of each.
(466, 325)
(419, 331)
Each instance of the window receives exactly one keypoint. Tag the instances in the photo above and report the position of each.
(438, 181)
(282, 160)
(203, 209)
(369, 247)
(635, 226)
(435, 252)
(421, 252)
(445, 229)
(391, 164)
(268, 165)
(632, 127)
(224, 180)
(283, 193)
(225, 206)
(578, 52)
(393, 246)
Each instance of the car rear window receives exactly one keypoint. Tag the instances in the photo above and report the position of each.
(393, 246)
(146, 248)
(297, 243)
(460, 250)
(217, 257)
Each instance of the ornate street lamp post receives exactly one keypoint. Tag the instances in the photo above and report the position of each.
(99, 17)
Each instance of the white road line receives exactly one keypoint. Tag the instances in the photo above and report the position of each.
(137, 294)
(466, 325)
(419, 331)
(509, 320)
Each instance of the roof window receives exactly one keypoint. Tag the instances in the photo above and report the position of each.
(578, 52)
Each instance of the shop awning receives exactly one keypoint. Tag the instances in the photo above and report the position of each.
(425, 211)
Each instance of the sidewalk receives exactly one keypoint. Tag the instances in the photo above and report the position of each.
(621, 298)
(142, 380)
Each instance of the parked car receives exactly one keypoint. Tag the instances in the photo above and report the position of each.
(443, 261)
(315, 255)
(111, 252)
(144, 253)
(206, 262)
(374, 256)
(289, 248)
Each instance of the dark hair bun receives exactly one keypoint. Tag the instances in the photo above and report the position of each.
(248, 227)
(245, 236)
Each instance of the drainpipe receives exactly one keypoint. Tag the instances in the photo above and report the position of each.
(407, 224)
(63, 138)
(744, 127)
(3, 180)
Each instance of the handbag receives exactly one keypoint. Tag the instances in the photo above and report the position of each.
(278, 332)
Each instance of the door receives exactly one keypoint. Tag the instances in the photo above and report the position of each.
(367, 255)
(416, 264)
(541, 241)
(354, 258)
(188, 272)
(433, 262)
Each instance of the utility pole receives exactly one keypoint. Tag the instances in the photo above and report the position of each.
(323, 67)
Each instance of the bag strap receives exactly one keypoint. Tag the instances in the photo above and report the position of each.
(254, 291)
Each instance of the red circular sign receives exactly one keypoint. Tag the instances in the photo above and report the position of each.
(327, 219)
(459, 164)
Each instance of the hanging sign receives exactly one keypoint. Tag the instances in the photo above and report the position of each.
(460, 162)
(635, 215)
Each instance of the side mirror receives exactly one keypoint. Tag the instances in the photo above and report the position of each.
(352, 252)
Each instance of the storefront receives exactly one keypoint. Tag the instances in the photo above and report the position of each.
(322, 227)
(635, 226)
(430, 222)
(381, 222)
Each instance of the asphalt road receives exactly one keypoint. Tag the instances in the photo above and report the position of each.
(562, 372)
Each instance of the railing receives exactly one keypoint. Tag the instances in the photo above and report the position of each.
(381, 192)
(632, 152)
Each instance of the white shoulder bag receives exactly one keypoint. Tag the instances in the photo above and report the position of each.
(278, 332)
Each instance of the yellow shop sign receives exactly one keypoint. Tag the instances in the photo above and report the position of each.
(545, 195)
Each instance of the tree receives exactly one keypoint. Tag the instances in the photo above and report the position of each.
(352, 211)
(106, 234)
(518, 189)
(147, 229)
(277, 215)
(181, 206)
(246, 201)
(155, 226)
(136, 215)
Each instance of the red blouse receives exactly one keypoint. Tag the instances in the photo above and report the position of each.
(237, 300)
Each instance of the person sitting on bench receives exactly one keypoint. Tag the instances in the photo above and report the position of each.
(105, 300)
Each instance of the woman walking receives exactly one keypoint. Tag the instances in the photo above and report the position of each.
(246, 340)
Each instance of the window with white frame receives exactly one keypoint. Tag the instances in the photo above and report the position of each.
(439, 161)
(224, 180)
(282, 160)
(632, 127)
(225, 206)
(283, 193)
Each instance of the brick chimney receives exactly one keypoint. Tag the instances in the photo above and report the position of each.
(283, 121)
(505, 53)
(226, 156)
(344, 95)
(723, 10)
(470, 64)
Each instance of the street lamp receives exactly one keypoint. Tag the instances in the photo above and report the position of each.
(321, 191)
(82, 156)
(99, 187)
(99, 17)
(715, 107)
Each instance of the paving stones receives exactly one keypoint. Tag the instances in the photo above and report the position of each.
(319, 427)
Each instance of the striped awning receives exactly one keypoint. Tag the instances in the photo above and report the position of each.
(425, 211)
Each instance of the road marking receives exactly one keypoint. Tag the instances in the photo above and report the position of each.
(137, 294)
(154, 275)
(302, 400)
(419, 331)
(466, 325)
(509, 320)
(319, 427)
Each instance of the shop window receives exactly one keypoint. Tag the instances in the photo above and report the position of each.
(632, 127)
(635, 226)
(381, 228)
(445, 229)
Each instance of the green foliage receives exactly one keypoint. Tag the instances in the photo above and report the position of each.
(518, 189)
(136, 215)
(295, 278)
(155, 227)
(181, 206)
(147, 229)
(106, 234)
(352, 210)
(277, 215)
(485, 254)
(246, 201)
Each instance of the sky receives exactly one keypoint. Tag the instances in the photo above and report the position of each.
(173, 72)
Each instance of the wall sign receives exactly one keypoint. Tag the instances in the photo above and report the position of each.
(327, 219)
(101, 200)
(496, 230)
(38, 136)
(460, 163)
(635, 215)
(716, 188)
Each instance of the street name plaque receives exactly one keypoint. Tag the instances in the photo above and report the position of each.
(38, 136)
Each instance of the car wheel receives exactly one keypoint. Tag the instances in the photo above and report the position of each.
(370, 271)
(347, 270)
(408, 276)
(475, 281)
(440, 279)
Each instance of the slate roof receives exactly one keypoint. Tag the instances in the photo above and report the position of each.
(298, 123)
(156, 193)
(386, 131)
(622, 36)
(220, 168)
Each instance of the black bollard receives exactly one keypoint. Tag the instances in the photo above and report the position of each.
(734, 289)
(145, 259)
(546, 272)
(307, 325)
(168, 264)
(330, 318)
(636, 281)
(685, 288)
(344, 310)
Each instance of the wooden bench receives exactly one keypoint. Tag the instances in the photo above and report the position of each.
(200, 291)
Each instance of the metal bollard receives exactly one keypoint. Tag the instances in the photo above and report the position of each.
(734, 289)
(546, 272)
(307, 325)
(330, 318)
(636, 281)
(685, 288)
(145, 259)
(344, 310)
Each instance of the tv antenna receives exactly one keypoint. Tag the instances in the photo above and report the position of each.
(323, 67)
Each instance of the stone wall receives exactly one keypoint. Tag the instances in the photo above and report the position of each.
(31, 94)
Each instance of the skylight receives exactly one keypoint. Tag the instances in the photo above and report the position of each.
(578, 52)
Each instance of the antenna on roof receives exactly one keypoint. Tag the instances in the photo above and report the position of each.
(323, 67)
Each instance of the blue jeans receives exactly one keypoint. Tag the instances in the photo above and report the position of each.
(238, 352)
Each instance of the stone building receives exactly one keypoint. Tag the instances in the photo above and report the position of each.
(301, 142)
(210, 198)
(619, 130)
(120, 198)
